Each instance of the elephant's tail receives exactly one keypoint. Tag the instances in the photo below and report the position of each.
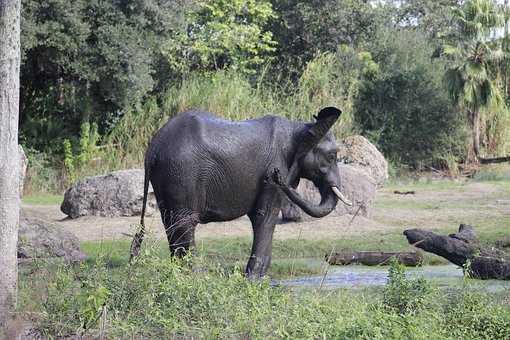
(145, 193)
(138, 238)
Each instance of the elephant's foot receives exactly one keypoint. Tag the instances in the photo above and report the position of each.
(257, 267)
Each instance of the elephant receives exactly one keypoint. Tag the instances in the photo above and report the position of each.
(206, 169)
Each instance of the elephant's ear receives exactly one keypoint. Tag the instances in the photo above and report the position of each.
(312, 136)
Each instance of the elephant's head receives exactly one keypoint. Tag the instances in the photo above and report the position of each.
(316, 160)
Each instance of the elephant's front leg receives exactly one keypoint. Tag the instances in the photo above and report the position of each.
(263, 219)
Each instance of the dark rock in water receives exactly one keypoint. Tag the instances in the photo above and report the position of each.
(119, 193)
(463, 249)
(40, 239)
(374, 258)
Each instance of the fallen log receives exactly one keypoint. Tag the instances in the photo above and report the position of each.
(398, 192)
(374, 258)
(464, 249)
(494, 160)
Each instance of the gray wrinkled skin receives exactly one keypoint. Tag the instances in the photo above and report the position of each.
(355, 184)
(205, 169)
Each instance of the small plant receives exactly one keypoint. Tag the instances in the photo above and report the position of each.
(89, 137)
(69, 161)
(402, 294)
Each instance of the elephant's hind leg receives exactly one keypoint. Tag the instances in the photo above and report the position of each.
(180, 230)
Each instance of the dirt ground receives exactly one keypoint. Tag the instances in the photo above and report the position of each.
(431, 207)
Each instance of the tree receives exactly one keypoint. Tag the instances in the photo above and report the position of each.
(9, 154)
(473, 55)
(430, 16)
(224, 34)
(304, 28)
(404, 107)
(90, 60)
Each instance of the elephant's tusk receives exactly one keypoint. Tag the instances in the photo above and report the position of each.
(341, 196)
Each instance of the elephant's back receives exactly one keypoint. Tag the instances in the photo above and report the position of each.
(211, 165)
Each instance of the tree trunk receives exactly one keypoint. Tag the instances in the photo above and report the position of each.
(464, 249)
(474, 120)
(9, 155)
(476, 134)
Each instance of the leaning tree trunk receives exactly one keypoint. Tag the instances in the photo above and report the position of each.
(9, 155)
(464, 249)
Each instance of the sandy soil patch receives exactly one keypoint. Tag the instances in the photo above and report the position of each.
(426, 209)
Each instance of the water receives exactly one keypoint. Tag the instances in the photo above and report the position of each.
(363, 276)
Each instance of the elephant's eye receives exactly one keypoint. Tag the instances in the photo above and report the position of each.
(332, 157)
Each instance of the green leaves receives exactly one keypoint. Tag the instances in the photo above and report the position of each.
(225, 35)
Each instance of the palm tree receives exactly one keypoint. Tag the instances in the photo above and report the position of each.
(473, 54)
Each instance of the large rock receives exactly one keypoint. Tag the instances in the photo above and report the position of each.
(119, 193)
(359, 152)
(356, 185)
(39, 239)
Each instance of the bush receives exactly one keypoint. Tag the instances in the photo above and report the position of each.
(406, 295)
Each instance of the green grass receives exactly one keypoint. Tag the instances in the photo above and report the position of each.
(43, 199)
(288, 254)
(156, 298)
(206, 296)
(493, 173)
(291, 257)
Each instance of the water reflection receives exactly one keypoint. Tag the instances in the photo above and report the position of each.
(363, 276)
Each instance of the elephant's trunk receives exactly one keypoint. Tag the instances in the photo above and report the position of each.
(327, 205)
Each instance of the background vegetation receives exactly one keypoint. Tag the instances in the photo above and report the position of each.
(426, 81)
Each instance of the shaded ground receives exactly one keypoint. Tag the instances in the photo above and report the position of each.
(438, 205)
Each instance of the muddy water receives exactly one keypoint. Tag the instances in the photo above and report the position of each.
(363, 276)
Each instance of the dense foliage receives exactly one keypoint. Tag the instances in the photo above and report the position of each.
(132, 64)
(403, 107)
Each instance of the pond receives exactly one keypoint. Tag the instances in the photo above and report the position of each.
(364, 276)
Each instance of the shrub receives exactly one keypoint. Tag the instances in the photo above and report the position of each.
(405, 295)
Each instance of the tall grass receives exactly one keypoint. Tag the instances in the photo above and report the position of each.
(230, 96)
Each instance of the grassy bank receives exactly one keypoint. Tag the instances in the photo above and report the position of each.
(168, 298)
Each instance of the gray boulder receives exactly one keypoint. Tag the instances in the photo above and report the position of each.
(119, 193)
(360, 153)
(357, 186)
(40, 239)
